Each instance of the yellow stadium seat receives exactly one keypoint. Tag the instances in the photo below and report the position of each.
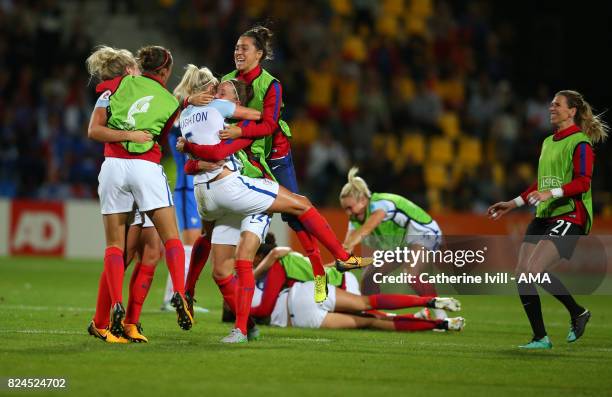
(413, 147)
(525, 171)
(421, 8)
(440, 150)
(387, 25)
(499, 174)
(415, 25)
(451, 91)
(342, 7)
(470, 152)
(305, 131)
(406, 88)
(456, 174)
(393, 7)
(435, 200)
(378, 143)
(391, 147)
(449, 124)
(436, 176)
(355, 48)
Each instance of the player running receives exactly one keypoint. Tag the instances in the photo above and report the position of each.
(387, 221)
(131, 175)
(562, 197)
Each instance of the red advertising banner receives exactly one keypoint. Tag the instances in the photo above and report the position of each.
(37, 228)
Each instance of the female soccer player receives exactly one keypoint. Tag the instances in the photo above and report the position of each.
(227, 192)
(386, 221)
(189, 221)
(131, 174)
(271, 148)
(562, 197)
(105, 64)
(287, 289)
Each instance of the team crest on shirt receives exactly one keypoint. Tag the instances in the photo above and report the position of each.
(550, 182)
(140, 106)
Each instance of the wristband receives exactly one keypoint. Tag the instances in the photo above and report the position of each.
(557, 192)
(519, 201)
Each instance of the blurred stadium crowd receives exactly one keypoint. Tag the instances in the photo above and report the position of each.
(419, 93)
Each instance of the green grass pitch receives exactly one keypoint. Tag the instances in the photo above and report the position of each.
(46, 304)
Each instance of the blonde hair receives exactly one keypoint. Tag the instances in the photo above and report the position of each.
(356, 187)
(106, 62)
(591, 124)
(194, 80)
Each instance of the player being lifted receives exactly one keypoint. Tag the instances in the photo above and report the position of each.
(271, 148)
(228, 192)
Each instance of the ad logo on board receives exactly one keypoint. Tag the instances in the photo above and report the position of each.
(37, 228)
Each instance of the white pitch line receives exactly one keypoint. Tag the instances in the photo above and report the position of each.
(47, 308)
(63, 309)
(319, 340)
(40, 331)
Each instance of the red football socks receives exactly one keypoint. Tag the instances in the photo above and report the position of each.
(103, 304)
(244, 292)
(114, 270)
(175, 260)
(413, 324)
(396, 301)
(312, 251)
(316, 225)
(199, 256)
(140, 283)
(227, 286)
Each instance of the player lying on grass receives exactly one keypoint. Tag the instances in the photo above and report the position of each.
(285, 278)
(226, 192)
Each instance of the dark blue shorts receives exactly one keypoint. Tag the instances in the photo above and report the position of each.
(284, 172)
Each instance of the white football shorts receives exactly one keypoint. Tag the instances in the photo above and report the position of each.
(141, 219)
(236, 194)
(228, 228)
(125, 184)
(303, 310)
(428, 236)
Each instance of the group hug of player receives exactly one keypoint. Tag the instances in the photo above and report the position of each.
(242, 173)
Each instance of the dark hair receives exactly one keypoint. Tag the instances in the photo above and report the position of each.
(262, 37)
(245, 93)
(153, 58)
(268, 245)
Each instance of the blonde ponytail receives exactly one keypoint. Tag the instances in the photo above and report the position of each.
(106, 63)
(591, 124)
(194, 80)
(356, 187)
